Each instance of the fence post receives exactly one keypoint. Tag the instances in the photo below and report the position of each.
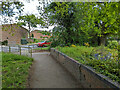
(20, 50)
(31, 52)
(28, 49)
(9, 49)
(1, 48)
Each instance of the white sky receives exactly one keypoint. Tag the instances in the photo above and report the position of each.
(31, 8)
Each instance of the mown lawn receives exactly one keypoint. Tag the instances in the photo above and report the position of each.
(102, 59)
(15, 70)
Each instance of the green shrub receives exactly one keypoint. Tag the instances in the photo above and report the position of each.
(32, 35)
(55, 43)
(36, 40)
(113, 44)
(119, 52)
(5, 42)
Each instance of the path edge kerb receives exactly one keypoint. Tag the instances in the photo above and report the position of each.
(84, 74)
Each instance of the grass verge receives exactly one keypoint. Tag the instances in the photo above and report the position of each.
(15, 70)
(42, 48)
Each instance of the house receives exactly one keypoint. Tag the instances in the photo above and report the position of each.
(39, 35)
(13, 33)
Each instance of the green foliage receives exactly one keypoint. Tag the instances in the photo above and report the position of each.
(36, 40)
(119, 54)
(32, 35)
(60, 15)
(15, 70)
(45, 33)
(55, 43)
(30, 20)
(10, 8)
(4, 42)
(80, 22)
(113, 44)
(96, 20)
(57, 37)
(102, 59)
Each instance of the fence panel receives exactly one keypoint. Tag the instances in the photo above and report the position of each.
(27, 51)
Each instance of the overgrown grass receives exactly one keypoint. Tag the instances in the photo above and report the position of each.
(15, 70)
(102, 59)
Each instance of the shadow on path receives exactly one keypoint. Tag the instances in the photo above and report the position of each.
(47, 73)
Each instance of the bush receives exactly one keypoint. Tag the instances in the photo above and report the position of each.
(5, 42)
(55, 43)
(113, 44)
(119, 52)
(36, 40)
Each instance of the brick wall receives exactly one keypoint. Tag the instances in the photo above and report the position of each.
(13, 33)
(38, 35)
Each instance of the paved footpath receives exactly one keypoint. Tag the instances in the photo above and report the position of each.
(47, 73)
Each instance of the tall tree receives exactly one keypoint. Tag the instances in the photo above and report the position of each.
(85, 21)
(100, 18)
(8, 10)
(62, 14)
(30, 21)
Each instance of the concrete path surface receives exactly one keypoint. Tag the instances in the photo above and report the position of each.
(47, 73)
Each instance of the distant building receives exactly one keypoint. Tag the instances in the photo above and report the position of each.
(38, 35)
(13, 33)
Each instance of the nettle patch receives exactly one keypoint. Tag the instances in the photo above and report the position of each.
(102, 59)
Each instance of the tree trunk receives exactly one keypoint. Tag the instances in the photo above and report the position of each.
(29, 30)
(98, 41)
(102, 40)
(28, 34)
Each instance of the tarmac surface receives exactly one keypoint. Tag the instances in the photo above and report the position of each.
(48, 73)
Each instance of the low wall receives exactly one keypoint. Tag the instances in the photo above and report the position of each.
(84, 74)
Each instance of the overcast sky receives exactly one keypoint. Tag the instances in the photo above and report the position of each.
(30, 8)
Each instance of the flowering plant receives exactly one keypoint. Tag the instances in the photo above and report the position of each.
(73, 45)
(103, 57)
(87, 44)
